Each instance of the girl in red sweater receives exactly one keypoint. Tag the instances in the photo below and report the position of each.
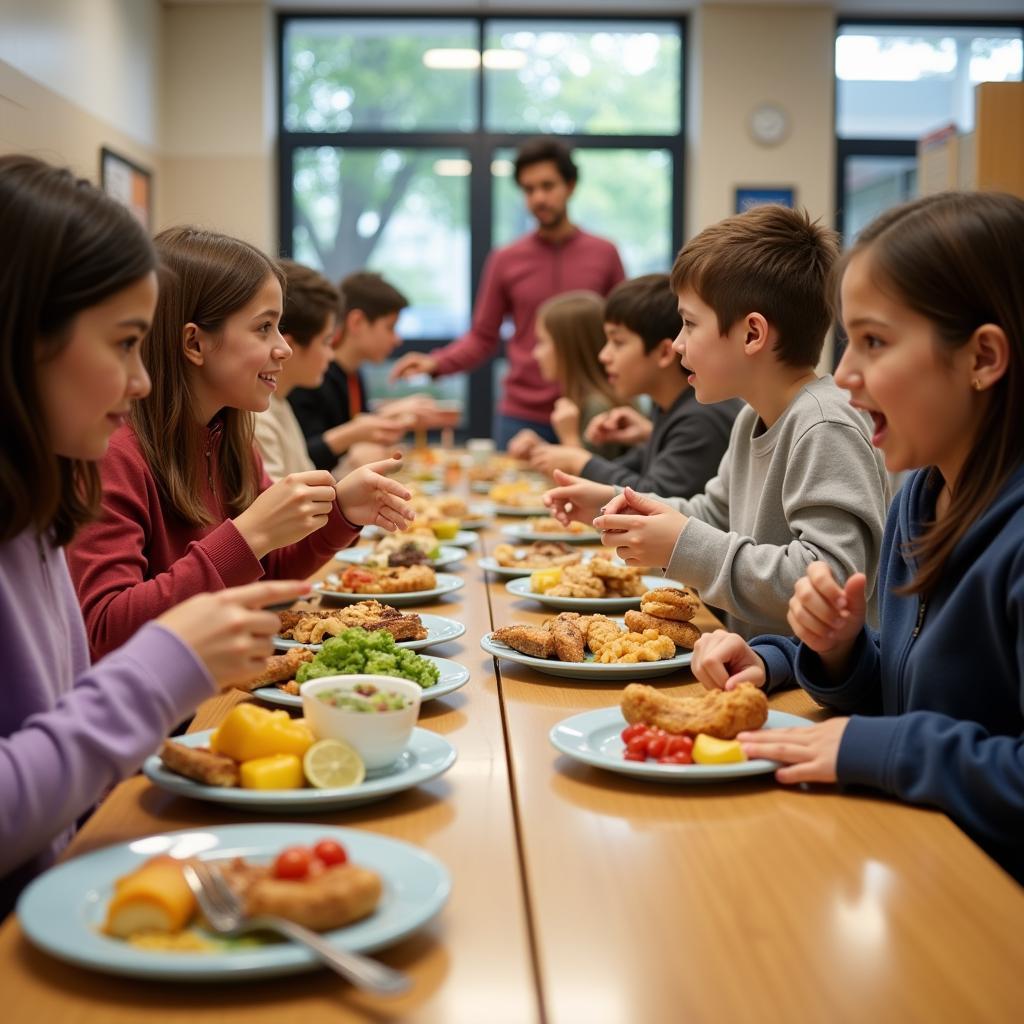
(187, 506)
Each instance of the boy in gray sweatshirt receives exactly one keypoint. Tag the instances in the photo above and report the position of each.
(800, 480)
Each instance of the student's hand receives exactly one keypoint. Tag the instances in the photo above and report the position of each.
(722, 660)
(421, 412)
(622, 425)
(546, 458)
(522, 443)
(367, 496)
(565, 421)
(287, 511)
(413, 364)
(575, 499)
(646, 535)
(828, 618)
(366, 428)
(811, 752)
(228, 631)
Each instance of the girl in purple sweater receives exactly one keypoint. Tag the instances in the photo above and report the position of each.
(77, 291)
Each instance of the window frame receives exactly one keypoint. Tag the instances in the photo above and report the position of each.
(480, 146)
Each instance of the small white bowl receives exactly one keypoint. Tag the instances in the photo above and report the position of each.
(378, 736)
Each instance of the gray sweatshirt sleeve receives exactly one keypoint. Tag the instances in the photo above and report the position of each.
(834, 511)
(712, 506)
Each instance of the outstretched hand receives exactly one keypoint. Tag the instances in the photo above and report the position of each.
(645, 532)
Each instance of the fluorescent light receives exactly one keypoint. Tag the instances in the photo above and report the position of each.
(455, 59)
(502, 168)
(452, 168)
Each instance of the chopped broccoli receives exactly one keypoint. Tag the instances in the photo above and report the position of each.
(358, 652)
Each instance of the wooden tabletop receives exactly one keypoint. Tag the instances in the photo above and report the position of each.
(583, 896)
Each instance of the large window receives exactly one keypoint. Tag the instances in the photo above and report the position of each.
(896, 82)
(397, 140)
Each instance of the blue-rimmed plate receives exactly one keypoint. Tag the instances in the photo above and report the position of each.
(446, 555)
(453, 677)
(589, 670)
(526, 533)
(593, 737)
(427, 756)
(63, 910)
(603, 605)
(439, 631)
(446, 584)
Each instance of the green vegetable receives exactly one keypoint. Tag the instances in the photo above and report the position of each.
(358, 652)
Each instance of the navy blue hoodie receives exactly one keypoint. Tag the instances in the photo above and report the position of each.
(937, 693)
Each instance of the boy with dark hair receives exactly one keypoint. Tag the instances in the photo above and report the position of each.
(800, 481)
(679, 452)
(334, 416)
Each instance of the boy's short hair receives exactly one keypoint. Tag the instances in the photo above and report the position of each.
(543, 149)
(647, 306)
(770, 260)
(309, 298)
(371, 294)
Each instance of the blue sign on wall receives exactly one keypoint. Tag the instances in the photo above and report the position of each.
(746, 198)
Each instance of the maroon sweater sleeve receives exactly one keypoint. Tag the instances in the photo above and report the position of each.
(481, 342)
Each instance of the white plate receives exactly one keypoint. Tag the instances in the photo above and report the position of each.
(463, 538)
(446, 584)
(427, 756)
(588, 670)
(593, 738)
(63, 910)
(521, 588)
(520, 510)
(453, 677)
(446, 556)
(439, 631)
(517, 532)
(509, 572)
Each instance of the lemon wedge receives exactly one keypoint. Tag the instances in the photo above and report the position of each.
(710, 750)
(333, 764)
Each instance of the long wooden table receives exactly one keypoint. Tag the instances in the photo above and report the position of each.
(582, 896)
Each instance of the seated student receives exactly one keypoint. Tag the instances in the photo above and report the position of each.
(569, 338)
(334, 416)
(800, 481)
(933, 305)
(308, 326)
(680, 451)
(186, 504)
(78, 287)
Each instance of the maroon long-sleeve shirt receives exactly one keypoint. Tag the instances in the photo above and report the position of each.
(516, 281)
(140, 558)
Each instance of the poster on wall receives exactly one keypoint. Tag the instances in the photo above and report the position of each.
(747, 197)
(128, 183)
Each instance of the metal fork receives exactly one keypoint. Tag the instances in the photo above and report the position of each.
(224, 912)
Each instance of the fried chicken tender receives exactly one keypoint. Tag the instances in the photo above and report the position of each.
(534, 641)
(568, 640)
(578, 581)
(721, 713)
(632, 648)
(682, 634)
(200, 764)
(391, 580)
(279, 668)
(601, 631)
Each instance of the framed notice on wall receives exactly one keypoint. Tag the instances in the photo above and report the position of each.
(751, 196)
(128, 183)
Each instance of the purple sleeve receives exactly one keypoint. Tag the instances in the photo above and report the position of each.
(59, 762)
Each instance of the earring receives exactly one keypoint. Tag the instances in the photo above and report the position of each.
(976, 384)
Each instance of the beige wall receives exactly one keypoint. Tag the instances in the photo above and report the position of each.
(745, 56)
(76, 75)
(218, 111)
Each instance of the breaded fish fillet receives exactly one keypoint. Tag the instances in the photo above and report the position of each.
(534, 641)
(568, 640)
(280, 667)
(721, 713)
(200, 764)
(682, 634)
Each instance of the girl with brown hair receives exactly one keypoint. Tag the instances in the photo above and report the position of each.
(77, 291)
(187, 506)
(570, 334)
(932, 299)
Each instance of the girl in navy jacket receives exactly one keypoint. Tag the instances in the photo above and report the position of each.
(931, 705)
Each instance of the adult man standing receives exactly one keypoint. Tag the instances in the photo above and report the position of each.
(557, 257)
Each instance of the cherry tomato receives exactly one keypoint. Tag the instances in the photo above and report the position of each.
(635, 755)
(636, 729)
(680, 745)
(676, 759)
(656, 745)
(637, 745)
(293, 862)
(330, 852)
